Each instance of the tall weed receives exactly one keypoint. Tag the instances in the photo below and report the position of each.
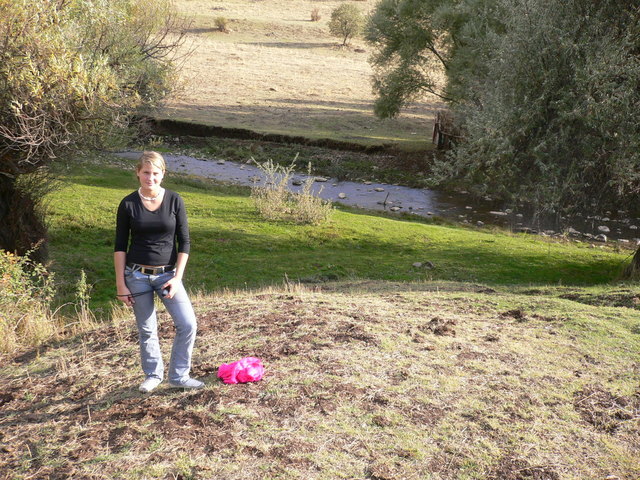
(27, 317)
(26, 291)
(274, 200)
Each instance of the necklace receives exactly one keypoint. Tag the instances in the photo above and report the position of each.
(150, 199)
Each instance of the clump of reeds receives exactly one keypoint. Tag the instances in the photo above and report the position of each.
(275, 201)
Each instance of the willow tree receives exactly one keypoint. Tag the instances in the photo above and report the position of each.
(72, 72)
(427, 48)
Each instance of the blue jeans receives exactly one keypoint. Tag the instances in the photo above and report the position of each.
(184, 319)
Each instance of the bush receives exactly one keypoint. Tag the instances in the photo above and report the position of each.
(27, 291)
(346, 22)
(315, 15)
(26, 304)
(222, 24)
(274, 200)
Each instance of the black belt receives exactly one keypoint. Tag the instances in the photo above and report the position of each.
(151, 270)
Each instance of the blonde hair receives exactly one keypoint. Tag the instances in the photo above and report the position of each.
(153, 158)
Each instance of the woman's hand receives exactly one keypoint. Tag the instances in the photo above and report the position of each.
(124, 295)
(169, 286)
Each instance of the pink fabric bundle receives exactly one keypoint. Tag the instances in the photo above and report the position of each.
(247, 369)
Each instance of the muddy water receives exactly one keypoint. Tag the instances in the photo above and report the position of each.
(421, 202)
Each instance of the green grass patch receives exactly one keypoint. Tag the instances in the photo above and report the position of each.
(232, 247)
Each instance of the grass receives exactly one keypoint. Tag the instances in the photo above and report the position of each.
(361, 382)
(233, 248)
(513, 358)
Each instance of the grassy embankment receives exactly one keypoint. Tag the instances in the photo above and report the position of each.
(513, 358)
(234, 248)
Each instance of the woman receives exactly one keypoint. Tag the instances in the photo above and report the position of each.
(150, 255)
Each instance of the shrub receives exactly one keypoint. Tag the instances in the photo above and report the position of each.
(315, 15)
(27, 290)
(346, 22)
(222, 24)
(27, 318)
(274, 200)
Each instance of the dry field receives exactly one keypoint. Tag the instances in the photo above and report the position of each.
(368, 380)
(277, 71)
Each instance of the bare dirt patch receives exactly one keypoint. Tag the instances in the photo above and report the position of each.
(604, 410)
(511, 468)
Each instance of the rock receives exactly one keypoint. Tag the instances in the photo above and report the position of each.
(395, 209)
(367, 182)
(417, 265)
(221, 162)
(297, 181)
(601, 238)
(606, 219)
(498, 214)
(549, 232)
(603, 229)
(468, 207)
(342, 195)
(254, 179)
(633, 227)
(378, 189)
(519, 215)
(429, 265)
(508, 210)
(320, 179)
(480, 223)
(623, 240)
(572, 231)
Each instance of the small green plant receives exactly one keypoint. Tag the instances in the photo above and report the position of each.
(275, 201)
(315, 15)
(83, 296)
(222, 24)
(346, 22)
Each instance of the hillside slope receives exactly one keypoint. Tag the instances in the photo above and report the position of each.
(364, 380)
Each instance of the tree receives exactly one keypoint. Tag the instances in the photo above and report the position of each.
(346, 22)
(547, 93)
(555, 121)
(428, 47)
(71, 73)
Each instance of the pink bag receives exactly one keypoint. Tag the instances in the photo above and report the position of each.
(247, 369)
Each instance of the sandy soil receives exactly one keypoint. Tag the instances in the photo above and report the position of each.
(277, 71)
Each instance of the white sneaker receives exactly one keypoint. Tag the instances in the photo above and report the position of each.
(149, 384)
(188, 383)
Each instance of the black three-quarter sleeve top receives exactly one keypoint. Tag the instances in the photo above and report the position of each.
(152, 238)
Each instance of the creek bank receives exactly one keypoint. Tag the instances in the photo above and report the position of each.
(419, 201)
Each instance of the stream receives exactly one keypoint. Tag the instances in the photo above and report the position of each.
(615, 226)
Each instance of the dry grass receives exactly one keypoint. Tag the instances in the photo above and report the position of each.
(275, 201)
(368, 380)
(280, 72)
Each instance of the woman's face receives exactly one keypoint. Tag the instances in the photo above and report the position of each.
(150, 177)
